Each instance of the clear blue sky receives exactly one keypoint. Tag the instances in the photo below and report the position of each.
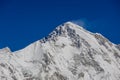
(25, 21)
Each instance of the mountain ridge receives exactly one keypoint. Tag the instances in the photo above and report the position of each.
(66, 23)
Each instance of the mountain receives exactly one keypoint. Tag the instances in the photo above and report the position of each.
(68, 53)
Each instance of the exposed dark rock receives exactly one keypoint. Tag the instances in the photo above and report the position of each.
(118, 47)
(57, 76)
(102, 40)
(80, 75)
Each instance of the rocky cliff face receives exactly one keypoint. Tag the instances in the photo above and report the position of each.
(68, 53)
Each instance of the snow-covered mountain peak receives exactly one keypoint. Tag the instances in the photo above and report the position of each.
(63, 30)
(77, 35)
(66, 29)
(68, 53)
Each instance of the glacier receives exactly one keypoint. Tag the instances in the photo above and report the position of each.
(70, 52)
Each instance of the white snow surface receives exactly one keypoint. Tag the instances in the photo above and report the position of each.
(68, 53)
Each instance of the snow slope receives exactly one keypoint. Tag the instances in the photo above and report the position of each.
(68, 53)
